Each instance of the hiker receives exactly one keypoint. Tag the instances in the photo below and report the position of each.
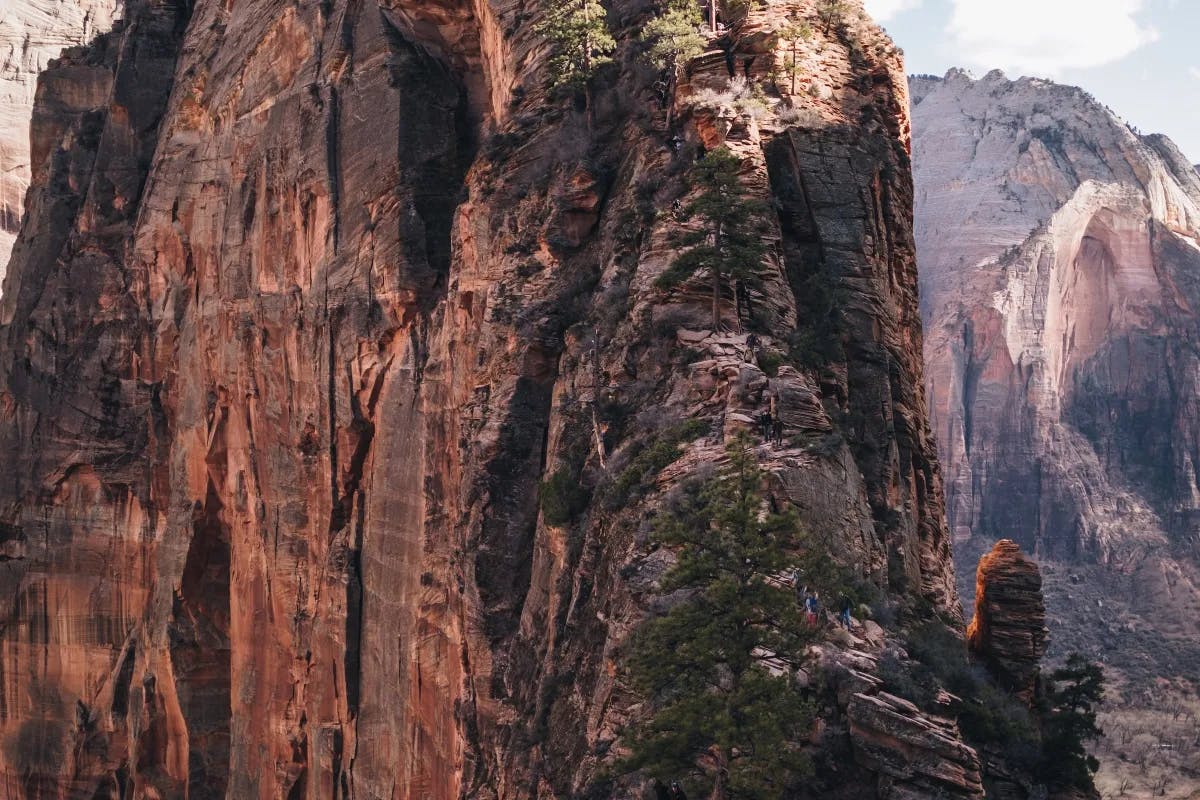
(754, 345)
(812, 607)
(677, 791)
(776, 423)
(844, 617)
(764, 425)
(662, 92)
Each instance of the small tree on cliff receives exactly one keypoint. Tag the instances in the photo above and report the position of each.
(581, 42)
(792, 35)
(675, 39)
(831, 12)
(728, 243)
(1073, 694)
(722, 718)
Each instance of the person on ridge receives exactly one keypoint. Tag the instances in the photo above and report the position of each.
(764, 425)
(844, 616)
(812, 607)
(677, 792)
(776, 423)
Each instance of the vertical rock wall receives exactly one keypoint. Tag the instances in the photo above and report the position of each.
(1060, 251)
(310, 300)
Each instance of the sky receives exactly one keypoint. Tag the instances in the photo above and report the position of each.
(1139, 57)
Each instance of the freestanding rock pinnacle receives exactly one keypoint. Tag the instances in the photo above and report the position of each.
(1008, 632)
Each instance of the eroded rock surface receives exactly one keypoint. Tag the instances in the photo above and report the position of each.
(1059, 259)
(309, 301)
(915, 754)
(1008, 630)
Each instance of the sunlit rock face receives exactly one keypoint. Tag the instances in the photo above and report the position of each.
(1059, 259)
(1008, 629)
(32, 32)
(308, 301)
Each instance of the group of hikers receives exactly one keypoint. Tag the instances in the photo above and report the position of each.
(812, 608)
(770, 425)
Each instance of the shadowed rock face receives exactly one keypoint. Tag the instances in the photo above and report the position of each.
(308, 302)
(1059, 260)
(1008, 631)
(32, 32)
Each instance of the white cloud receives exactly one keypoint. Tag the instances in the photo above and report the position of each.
(1045, 37)
(1194, 72)
(883, 10)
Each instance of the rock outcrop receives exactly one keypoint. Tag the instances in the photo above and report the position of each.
(308, 302)
(32, 32)
(916, 755)
(1008, 630)
(1059, 253)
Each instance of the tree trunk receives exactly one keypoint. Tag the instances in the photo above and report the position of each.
(737, 303)
(712, 15)
(587, 67)
(672, 82)
(793, 71)
(716, 300)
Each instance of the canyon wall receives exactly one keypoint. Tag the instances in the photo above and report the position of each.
(32, 32)
(308, 303)
(1059, 253)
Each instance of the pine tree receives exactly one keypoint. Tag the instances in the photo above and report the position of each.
(1074, 693)
(729, 244)
(703, 665)
(581, 42)
(792, 35)
(830, 12)
(675, 39)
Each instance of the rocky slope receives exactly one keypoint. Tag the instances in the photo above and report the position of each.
(308, 302)
(1059, 255)
(32, 32)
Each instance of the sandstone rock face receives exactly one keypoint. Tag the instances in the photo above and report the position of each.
(310, 299)
(1059, 260)
(32, 32)
(1008, 631)
(916, 755)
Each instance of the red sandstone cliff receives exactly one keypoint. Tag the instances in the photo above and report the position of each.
(310, 299)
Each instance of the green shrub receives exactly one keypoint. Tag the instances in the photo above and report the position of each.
(635, 480)
(563, 498)
(770, 361)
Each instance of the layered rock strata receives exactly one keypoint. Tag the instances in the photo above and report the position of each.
(32, 32)
(1008, 629)
(1059, 254)
(916, 755)
(308, 302)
